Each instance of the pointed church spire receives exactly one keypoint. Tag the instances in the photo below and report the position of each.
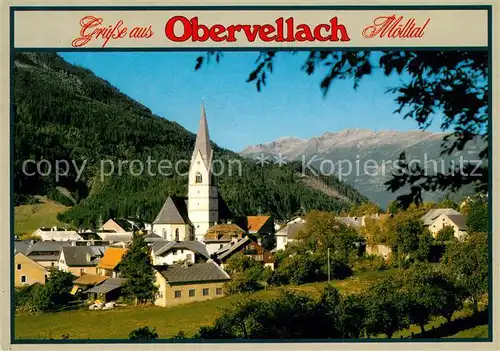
(202, 138)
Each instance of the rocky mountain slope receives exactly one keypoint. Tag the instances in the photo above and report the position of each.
(365, 158)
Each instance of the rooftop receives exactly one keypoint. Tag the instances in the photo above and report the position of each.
(174, 211)
(79, 256)
(162, 247)
(430, 216)
(198, 272)
(112, 257)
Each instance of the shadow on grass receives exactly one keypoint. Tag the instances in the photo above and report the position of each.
(455, 326)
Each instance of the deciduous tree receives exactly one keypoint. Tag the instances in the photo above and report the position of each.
(466, 262)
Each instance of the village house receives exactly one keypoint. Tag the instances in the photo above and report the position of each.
(47, 253)
(456, 221)
(287, 234)
(22, 246)
(249, 248)
(86, 282)
(220, 235)
(438, 218)
(80, 260)
(110, 261)
(172, 252)
(120, 226)
(259, 225)
(359, 222)
(180, 284)
(379, 249)
(56, 234)
(27, 271)
(109, 290)
(431, 215)
(116, 239)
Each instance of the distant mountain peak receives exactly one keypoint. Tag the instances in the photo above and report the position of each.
(359, 145)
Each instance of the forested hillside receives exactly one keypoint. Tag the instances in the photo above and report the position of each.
(64, 112)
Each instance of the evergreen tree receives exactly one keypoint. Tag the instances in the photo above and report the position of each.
(137, 269)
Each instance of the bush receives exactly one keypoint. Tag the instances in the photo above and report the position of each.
(246, 274)
(242, 282)
(23, 297)
(143, 333)
(339, 269)
(446, 233)
(370, 263)
(22, 199)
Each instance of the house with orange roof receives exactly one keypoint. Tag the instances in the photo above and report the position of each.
(259, 225)
(260, 228)
(109, 263)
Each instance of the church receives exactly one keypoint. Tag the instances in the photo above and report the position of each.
(189, 218)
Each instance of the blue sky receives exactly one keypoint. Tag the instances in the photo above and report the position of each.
(291, 104)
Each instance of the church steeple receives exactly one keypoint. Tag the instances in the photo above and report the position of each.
(202, 143)
(203, 204)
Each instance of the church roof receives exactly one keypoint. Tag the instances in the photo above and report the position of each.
(174, 211)
(202, 143)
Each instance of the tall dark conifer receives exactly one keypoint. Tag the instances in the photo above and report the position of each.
(136, 267)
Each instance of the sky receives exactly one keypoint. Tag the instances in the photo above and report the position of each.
(291, 103)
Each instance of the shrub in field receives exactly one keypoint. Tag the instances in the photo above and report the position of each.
(143, 333)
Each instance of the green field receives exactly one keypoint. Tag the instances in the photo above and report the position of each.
(28, 218)
(118, 323)
(481, 331)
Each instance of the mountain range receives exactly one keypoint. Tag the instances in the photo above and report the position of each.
(370, 155)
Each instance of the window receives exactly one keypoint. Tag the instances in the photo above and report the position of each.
(19, 267)
(24, 279)
(164, 233)
(198, 178)
(177, 294)
(52, 264)
(220, 246)
(192, 292)
(177, 235)
(82, 271)
(205, 292)
(182, 251)
(218, 291)
(160, 295)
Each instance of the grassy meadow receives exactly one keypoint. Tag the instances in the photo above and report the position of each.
(28, 218)
(118, 323)
(168, 321)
